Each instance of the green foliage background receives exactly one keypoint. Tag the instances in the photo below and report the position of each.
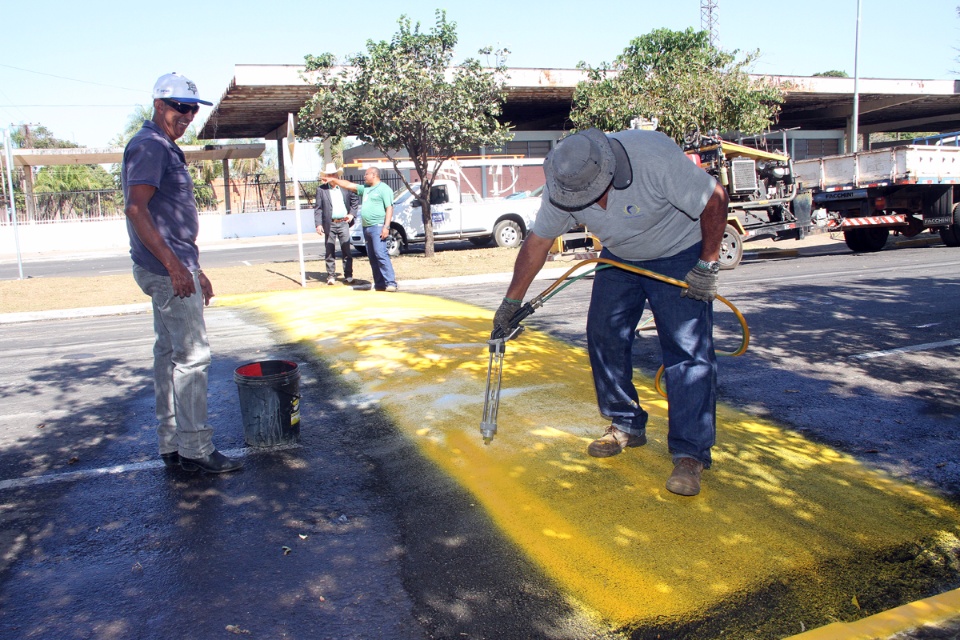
(680, 79)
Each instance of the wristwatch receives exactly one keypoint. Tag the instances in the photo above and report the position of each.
(712, 267)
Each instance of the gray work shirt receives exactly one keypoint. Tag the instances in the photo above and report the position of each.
(154, 159)
(657, 216)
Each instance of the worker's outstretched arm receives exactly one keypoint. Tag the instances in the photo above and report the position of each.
(532, 256)
(713, 222)
(702, 280)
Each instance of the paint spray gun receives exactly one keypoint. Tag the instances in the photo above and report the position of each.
(498, 340)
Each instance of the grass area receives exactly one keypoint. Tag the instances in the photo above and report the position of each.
(44, 294)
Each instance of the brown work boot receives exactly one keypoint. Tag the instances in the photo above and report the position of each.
(685, 479)
(613, 442)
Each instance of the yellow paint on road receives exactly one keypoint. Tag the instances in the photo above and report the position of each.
(775, 506)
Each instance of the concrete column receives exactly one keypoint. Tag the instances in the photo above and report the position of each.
(226, 185)
(327, 157)
(29, 198)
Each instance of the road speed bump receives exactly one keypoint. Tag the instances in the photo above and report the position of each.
(787, 534)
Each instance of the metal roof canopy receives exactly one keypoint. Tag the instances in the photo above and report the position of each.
(114, 155)
(259, 97)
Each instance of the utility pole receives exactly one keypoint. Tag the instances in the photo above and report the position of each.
(709, 17)
(855, 118)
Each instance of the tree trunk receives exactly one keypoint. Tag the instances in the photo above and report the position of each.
(427, 227)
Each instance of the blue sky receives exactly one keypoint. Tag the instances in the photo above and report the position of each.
(80, 68)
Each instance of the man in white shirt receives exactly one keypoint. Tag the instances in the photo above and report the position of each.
(336, 210)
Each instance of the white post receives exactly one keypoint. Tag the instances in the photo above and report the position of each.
(291, 144)
(13, 205)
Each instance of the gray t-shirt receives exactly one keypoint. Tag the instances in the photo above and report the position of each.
(152, 158)
(657, 216)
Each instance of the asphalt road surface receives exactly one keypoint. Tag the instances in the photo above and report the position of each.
(353, 535)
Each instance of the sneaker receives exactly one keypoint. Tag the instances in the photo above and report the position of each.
(331, 280)
(613, 441)
(348, 280)
(685, 479)
(391, 288)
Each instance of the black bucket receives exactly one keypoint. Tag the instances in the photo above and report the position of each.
(269, 402)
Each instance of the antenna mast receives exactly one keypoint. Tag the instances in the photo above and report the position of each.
(709, 19)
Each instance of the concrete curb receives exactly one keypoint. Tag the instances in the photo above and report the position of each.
(85, 312)
(933, 610)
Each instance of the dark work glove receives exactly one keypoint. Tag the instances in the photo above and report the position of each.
(702, 284)
(501, 319)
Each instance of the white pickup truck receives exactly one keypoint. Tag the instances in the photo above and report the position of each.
(457, 216)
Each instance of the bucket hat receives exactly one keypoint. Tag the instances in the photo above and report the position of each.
(174, 86)
(582, 166)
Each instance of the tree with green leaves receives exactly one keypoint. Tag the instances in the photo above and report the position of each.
(833, 73)
(406, 94)
(61, 190)
(67, 189)
(680, 79)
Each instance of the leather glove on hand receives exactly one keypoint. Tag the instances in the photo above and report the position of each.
(501, 319)
(702, 284)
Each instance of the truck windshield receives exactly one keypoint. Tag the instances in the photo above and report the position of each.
(403, 194)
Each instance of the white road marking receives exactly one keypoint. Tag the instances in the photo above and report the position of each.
(916, 347)
(83, 474)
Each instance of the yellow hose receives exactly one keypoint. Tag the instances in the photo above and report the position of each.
(745, 340)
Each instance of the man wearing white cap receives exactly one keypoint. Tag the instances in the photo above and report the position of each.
(652, 208)
(162, 223)
(336, 210)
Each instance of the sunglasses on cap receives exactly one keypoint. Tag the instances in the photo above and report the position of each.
(181, 107)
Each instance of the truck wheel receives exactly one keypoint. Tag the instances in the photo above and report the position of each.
(950, 234)
(508, 234)
(731, 248)
(868, 240)
(394, 243)
(482, 241)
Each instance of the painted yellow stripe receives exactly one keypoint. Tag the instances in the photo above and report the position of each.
(938, 609)
(775, 505)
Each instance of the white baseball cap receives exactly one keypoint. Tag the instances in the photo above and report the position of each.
(174, 86)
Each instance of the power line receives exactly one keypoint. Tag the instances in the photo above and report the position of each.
(99, 84)
(125, 106)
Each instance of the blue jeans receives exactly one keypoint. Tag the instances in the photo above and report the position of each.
(181, 358)
(379, 258)
(685, 331)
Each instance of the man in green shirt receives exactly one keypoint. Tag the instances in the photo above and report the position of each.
(376, 212)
